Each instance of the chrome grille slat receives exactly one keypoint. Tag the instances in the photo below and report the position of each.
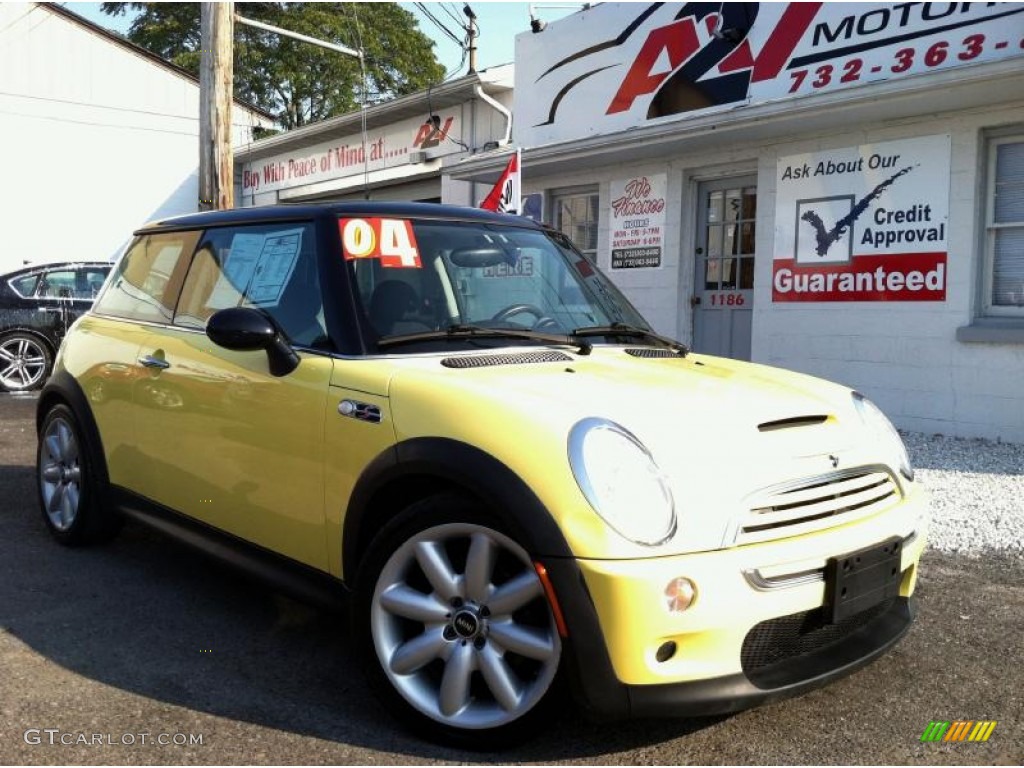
(832, 506)
(817, 503)
(820, 490)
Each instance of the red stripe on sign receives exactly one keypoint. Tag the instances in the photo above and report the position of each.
(887, 277)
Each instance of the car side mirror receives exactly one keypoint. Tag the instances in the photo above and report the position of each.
(244, 329)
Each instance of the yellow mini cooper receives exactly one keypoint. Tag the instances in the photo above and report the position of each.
(455, 418)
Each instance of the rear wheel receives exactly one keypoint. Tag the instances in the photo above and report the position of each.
(457, 630)
(69, 493)
(25, 361)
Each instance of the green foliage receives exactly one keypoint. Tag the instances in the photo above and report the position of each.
(297, 82)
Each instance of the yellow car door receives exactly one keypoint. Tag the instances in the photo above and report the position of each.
(227, 443)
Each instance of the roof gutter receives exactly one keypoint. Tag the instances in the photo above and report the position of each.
(497, 105)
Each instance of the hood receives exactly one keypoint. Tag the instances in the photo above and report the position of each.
(720, 430)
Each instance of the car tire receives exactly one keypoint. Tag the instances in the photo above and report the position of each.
(454, 627)
(25, 361)
(69, 491)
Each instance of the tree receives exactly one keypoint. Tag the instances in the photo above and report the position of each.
(297, 82)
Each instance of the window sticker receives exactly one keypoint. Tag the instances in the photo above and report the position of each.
(258, 267)
(277, 262)
(390, 240)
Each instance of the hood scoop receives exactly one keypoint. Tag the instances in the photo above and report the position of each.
(518, 358)
(792, 423)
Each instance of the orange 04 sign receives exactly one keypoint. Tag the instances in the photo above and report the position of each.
(390, 240)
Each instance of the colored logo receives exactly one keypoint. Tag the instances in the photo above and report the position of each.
(958, 730)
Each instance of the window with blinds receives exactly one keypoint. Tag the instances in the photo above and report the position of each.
(1005, 227)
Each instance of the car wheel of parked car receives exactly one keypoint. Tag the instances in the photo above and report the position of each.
(456, 627)
(25, 362)
(68, 488)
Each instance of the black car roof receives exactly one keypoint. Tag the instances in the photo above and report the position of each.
(54, 265)
(293, 211)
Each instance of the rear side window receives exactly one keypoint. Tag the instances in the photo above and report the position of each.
(25, 286)
(270, 266)
(148, 278)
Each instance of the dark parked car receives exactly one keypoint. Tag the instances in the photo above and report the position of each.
(37, 306)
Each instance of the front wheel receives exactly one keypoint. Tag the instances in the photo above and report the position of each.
(456, 627)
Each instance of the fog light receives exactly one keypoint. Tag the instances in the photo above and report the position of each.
(665, 652)
(680, 594)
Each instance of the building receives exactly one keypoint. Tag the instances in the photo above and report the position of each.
(100, 136)
(836, 188)
(399, 152)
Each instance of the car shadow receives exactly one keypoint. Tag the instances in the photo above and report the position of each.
(149, 616)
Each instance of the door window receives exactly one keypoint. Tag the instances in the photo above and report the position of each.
(79, 283)
(269, 267)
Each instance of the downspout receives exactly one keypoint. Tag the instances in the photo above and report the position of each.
(497, 105)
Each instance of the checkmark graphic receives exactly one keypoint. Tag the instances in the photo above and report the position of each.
(825, 238)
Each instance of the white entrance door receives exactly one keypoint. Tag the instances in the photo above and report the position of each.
(724, 285)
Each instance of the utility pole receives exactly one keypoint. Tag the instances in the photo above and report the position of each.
(472, 37)
(216, 78)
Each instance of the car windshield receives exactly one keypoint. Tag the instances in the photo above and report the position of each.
(425, 277)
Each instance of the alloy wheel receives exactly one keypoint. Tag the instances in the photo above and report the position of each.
(22, 363)
(462, 627)
(60, 474)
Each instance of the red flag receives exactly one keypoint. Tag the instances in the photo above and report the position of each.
(504, 198)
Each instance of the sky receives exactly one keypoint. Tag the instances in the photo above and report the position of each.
(499, 23)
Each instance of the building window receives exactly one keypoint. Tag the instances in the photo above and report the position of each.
(575, 214)
(1004, 236)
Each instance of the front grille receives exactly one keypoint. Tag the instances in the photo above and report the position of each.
(790, 637)
(816, 503)
(518, 358)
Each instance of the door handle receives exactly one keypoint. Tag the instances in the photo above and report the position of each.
(56, 310)
(694, 301)
(154, 362)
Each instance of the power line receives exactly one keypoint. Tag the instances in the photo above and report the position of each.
(451, 35)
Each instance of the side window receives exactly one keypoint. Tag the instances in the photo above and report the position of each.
(1004, 251)
(148, 278)
(79, 283)
(271, 267)
(57, 284)
(25, 286)
(89, 281)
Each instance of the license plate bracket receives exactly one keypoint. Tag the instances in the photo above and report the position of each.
(858, 580)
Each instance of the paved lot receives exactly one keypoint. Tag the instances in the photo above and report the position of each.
(145, 637)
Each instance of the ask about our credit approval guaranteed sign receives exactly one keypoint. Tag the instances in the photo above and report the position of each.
(866, 223)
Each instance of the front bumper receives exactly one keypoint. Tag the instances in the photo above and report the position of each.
(618, 620)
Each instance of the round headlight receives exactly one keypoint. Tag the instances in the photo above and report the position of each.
(873, 417)
(621, 481)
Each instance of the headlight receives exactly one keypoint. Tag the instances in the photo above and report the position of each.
(873, 417)
(621, 481)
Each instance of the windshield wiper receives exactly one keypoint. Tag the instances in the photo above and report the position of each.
(631, 331)
(460, 332)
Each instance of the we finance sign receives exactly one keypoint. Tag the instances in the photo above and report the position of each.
(620, 65)
(865, 223)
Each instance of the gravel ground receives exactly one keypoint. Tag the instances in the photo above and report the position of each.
(977, 489)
